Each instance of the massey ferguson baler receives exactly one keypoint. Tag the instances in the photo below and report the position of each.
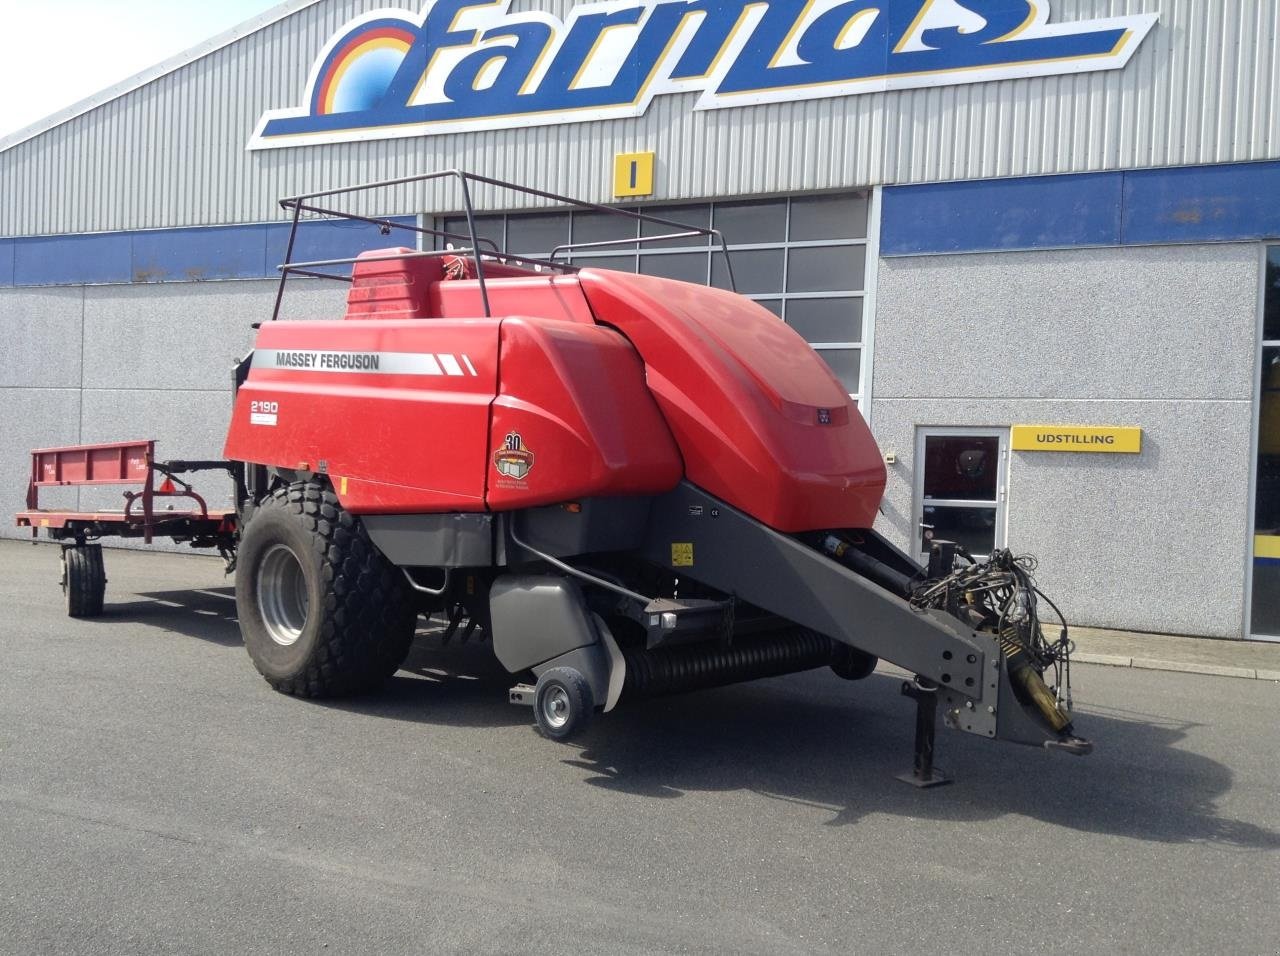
(632, 486)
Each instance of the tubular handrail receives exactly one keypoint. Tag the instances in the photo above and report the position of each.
(476, 244)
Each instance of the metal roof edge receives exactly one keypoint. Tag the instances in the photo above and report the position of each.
(153, 73)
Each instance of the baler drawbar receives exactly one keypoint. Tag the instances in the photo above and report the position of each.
(631, 486)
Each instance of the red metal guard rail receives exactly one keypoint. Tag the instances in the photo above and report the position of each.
(111, 463)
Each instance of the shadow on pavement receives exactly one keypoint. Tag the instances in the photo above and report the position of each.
(461, 685)
(208, 614)
(783, 745)
(809, 738)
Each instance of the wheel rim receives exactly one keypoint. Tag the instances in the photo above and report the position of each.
(556, 707)
(282, 595)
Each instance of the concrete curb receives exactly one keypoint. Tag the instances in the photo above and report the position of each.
(1185, 667)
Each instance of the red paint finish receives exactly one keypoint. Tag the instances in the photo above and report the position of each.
(417, 288)
(109, 463)
(392, 288)
(585, 424)
(572, 394)
(548, 297)
(404, 442)
(213, 520)
(744, 395)
(541, 404)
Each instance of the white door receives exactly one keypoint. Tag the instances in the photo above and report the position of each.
(960, 487)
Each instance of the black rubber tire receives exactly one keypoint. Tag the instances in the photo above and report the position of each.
(853, 664)
(84, 579)
(568, 687)
(359, 616)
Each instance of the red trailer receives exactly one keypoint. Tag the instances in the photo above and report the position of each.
(146, 513)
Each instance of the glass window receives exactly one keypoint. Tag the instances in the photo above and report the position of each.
(602, 227)
(829, 217)
(750, 223)
(696, 216)
(829, 269)
(826, 320)
(973, 528)
(1271, 317)
(961, 468)
(773, 305)
(537, 235)
(847, 364)
(1265, 615)
(817, 286)
(757, 271)
(1266, 541)
(685, 266)
(487, 227)
(959, 487)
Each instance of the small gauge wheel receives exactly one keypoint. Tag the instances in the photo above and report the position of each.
(562, 703)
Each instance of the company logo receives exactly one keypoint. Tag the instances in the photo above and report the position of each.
(513, 460)
(446, 364)
(463, 65)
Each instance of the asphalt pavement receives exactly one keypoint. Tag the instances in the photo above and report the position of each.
(157, 797)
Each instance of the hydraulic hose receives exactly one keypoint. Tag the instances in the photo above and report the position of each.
(892, 580)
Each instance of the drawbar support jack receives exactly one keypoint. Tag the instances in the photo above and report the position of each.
(923, 773)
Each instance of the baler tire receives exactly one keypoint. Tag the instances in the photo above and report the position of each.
(562, 703)
(853, 664)
(84, 579)
(341, 613)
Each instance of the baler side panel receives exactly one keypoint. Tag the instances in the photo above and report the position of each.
(574, 418)
(549, 297)
(759, 418)
(410, 435)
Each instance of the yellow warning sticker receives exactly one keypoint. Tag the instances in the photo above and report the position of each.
(682, 554)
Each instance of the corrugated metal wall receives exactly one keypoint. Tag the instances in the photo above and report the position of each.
(1201, 89)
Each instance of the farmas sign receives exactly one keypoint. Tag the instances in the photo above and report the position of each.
(462, 65)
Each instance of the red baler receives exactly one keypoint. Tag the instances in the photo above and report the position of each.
(631, 485)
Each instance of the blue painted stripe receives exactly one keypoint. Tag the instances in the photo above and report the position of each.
(1002, 214)
(167, 255)
(1229, 203)
(1202, 204)
(71, 260)
(184, 255)
(332, 239)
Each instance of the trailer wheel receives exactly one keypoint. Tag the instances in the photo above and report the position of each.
(322, 612)
(853, 664)
(84, 579)
(562, 703)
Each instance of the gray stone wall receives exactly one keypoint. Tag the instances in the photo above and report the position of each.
(125, 362)
(1163, 338)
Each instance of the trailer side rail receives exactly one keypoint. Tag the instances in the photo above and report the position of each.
(121, 463)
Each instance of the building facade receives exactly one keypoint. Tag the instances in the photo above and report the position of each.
(1039, 241)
